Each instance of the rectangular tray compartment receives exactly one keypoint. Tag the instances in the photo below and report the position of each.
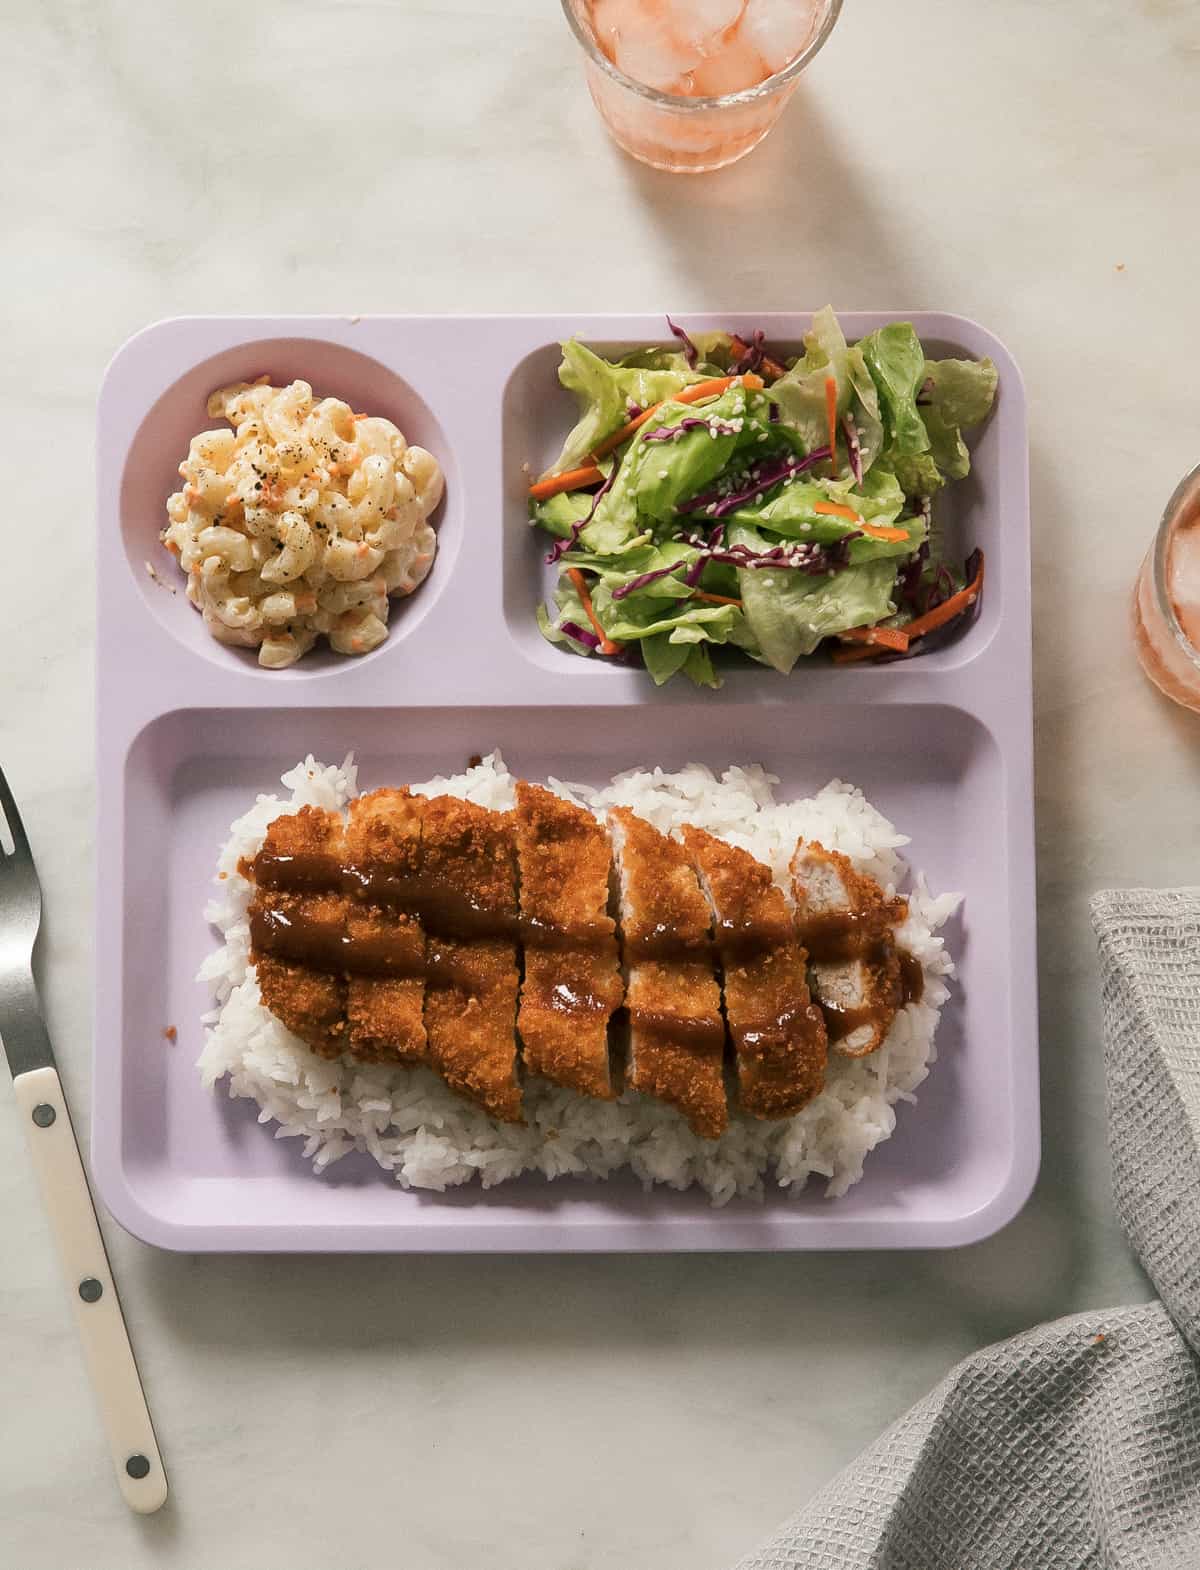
(192, 1171)
(537, 413)
(186, 737)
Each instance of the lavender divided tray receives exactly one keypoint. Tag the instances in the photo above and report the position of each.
(189, 731)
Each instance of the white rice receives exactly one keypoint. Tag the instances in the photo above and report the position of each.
(431, 1138)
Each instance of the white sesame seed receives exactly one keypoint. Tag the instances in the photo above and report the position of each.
(806, 527)
(662, 474)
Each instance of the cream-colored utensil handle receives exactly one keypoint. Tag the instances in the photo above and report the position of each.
(106, 1346)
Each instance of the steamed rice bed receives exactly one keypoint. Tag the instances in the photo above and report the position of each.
(428, 1137)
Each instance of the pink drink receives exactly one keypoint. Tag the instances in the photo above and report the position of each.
(1166, 601)
(695, 84)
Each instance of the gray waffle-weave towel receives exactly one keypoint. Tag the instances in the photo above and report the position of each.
(1076, 1444)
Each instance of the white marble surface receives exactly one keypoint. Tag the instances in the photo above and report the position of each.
(1030, 165)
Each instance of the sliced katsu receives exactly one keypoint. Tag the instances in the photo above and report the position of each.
(297, 925)
(777, 1031)
(392, 937)
(845, 920)
(572, 984)
(385, 992)
(468, 893)
(676, 1032)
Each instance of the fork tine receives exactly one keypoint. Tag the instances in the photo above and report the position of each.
(8, 809)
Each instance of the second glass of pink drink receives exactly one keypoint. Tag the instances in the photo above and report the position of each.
(691, 85)
(1166, 599)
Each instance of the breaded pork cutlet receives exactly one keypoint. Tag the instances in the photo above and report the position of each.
(676, 1033)
(299, 911)
(777, 1031)
(469, 901)
(845, 920)
(385, 993)
(572, 984)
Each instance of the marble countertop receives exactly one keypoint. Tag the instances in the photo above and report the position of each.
(1030, 166)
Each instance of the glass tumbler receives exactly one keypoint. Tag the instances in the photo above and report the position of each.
(1166, 599)
(688, 135)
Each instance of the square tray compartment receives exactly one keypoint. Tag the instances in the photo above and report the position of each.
(188, 733)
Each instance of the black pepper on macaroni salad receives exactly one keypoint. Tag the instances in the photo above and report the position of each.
(302, 520)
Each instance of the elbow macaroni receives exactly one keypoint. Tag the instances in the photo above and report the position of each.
(301, 521)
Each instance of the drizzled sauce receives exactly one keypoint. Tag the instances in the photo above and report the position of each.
(295, 935)
(308, 873)
(841, 936)
(912, 978)
(704, 1031)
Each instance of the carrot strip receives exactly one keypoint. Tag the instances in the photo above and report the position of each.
(876, 531)
(832, 419)
(772, 367)
(852, 653)
(948, 609)
(836, 510)
(713, 599)
(607, 646)
(569, 480)
(693, 394)
(883, 637)
(882, 531)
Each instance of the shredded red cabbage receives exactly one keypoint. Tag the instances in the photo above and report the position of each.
(561, 547)
(627, 654)
(925, 392)
(689, 348)
(753, 356)
(640, 582)
(793, 556)
(758, 478)
(799, 556)
(633, 411)
(580, 634)
(853, 447)
(691, 422)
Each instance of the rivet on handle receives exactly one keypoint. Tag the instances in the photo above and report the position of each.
(90, 1290)
(137, 1466)
(44, 1114)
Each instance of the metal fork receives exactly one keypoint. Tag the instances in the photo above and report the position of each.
(63, 1183)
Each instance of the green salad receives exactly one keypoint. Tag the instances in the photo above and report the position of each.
(713, 495)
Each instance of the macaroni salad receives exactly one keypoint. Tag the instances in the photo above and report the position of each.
(300, 521)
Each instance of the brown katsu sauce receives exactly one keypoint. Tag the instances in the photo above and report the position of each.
(912, 978)
(663, 943)
(303, 874)
(296, 936)
(694, 1031)
(748, 939)
(571, 998)
(842, 1022)
(841, 935)
(760, 1033)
